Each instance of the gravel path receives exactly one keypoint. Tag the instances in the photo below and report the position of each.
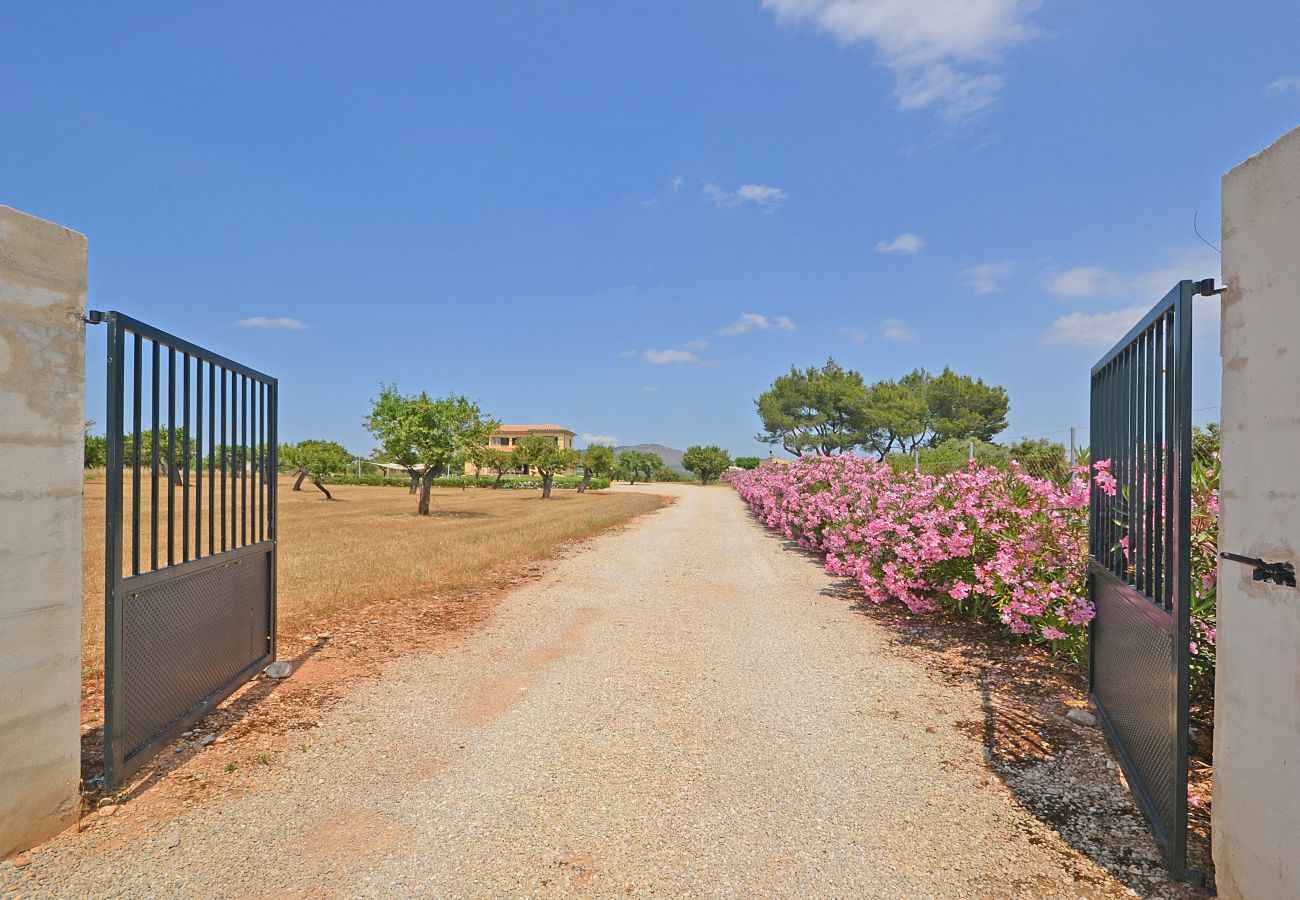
(671, 711)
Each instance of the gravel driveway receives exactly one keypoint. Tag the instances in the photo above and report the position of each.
(671, 711)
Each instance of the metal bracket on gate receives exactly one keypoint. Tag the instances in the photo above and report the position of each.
(1206, 288)
(1282, 573)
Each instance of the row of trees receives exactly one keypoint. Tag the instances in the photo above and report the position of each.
(833, 410)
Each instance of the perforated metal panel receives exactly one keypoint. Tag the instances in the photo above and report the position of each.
(1140, 559)
(188, 637)
(190, 549)
(1136, 690)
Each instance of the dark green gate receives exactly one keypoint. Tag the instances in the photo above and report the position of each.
(1140, 559)
(190, 537)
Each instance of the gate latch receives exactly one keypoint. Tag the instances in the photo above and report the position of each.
(1275, 572)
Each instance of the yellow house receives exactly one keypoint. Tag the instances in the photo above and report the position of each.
(507, 436)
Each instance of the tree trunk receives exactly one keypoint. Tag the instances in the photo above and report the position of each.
(323, 490)
(426, 485)
(415, 480)
(302, 476)
(497, 483)
(546, 485)
(586, 480)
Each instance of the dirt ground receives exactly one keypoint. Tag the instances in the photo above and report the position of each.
(368, 571)
(684, 706)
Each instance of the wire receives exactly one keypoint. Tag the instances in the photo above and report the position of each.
(1201, 236)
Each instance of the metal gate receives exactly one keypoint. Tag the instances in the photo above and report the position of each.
(1140, 559)
(190, 537)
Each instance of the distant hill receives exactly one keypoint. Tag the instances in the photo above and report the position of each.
(672, 458)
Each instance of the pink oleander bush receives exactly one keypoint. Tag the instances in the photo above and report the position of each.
(991, 544)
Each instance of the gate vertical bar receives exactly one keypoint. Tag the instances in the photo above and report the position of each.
(1183, 568)
(273, 501)
(113, 544)
(185, 465)
(153, 457)
(171, 456)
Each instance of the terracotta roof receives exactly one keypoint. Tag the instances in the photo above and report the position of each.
(529, 428)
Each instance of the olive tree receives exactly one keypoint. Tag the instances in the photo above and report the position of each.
(499, 461)
(317, 459)
(639, 464)
(598, 459)
(429, 431)
(706, 462)
(547, 456)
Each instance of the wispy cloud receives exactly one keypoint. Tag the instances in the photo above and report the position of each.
(676, 183)
(1150, 285)
(698, 345)
(1288, 85)
(1101, 328)
(987, 278)
(897, 330)
(907, 243)
(761, 195)
(943, 53)
(271, 322)
(626, 354)
(661, 357)
(1084, 281)
(650, 389)
(598, 438)
(1093, 329)
(757, 322)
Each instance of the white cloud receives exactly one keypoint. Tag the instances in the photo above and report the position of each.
(1141, 290)
(1151, 285)
(676, 183)
(943, 53)
(271, 322)
(650, 389)
(762, 195)
(660, 357)
(757, 322)
(896, 330)
(1084, 281)
(1288, 85)
(698, 345)
(1094, 329)
(910, 244)
(987, 278)
(626, 354)
(598, 438)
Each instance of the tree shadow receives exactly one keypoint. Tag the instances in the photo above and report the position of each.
(452, 514)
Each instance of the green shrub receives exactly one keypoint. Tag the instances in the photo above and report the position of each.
(951, 456)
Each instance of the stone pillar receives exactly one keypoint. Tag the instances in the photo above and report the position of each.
(1257, 703)
(42, 405)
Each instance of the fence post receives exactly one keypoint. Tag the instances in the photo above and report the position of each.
(1257, 699)
(1074, 454)
(42, 408)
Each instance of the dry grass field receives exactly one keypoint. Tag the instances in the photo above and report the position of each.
(368, 546)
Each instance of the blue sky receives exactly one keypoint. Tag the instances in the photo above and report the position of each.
(629, 218)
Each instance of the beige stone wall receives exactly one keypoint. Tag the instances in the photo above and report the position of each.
(42, 388)
(1257, 707)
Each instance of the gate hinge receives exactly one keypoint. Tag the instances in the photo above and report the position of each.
(1205, 287)
(94, 317)
(1282, 573)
